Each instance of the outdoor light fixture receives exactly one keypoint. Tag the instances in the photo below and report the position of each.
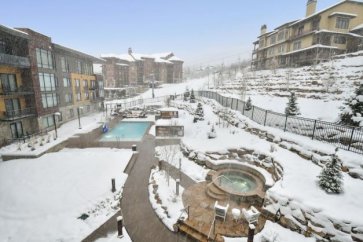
(79, 116)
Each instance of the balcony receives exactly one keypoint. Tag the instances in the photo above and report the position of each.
(15, 61)
(17, 114)
(18, 91)
(302, 33)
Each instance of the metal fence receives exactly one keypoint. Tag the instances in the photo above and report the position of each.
(345, 137)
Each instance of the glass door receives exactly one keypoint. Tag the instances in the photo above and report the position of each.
(16, 130)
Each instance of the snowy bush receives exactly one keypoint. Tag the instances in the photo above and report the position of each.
(353, 114)
(212, 134)
(292, 109)
(248, 104)
(330, 178)
(199, 113)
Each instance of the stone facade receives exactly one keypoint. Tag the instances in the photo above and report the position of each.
(45, 77)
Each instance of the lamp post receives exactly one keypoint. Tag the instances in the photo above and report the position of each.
(79, 117)
(55, 124)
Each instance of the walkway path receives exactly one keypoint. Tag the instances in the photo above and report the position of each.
(141, 221)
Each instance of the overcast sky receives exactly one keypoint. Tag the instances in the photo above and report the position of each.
(198, 31)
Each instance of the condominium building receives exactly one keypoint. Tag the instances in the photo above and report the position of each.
(133, 69)
(40, 79)
(316, 37)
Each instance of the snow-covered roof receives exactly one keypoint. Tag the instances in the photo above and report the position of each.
(14, 31)
(325, 9)
(168, 122)
(337, 32)
(174, 58)
(162, 55)
(311, 47)
(120, 64)
(125, 57)
(360, 26)
(342, 13)
(159, 60)
(168, 109)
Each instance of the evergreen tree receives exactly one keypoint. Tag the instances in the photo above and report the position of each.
(248, 104)
(292, 109)
(199, 113)
(192, 97)
(353, 114)
(330, 178)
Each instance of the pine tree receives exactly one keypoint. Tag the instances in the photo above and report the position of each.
(353, 114)
(192, 97)
(292, 109)
(330, 178)
(248, 104)
(199, 113)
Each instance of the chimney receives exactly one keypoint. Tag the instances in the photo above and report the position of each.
(310, 7)
(130, 51)
(263, 29)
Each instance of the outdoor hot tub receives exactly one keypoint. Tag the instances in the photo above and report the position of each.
(241, 185)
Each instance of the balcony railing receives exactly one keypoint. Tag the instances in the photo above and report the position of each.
(17, 114)
(16, 91)
(305, 32)
(13, 60)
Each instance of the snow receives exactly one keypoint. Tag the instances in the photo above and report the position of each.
(168, 122)
(188, 167)
(65, 131)
(273, 231)
(42, 198)
(342, 13)
(115, 238)
(168, 198)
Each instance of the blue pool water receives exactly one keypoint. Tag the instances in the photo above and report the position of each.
(126, 131)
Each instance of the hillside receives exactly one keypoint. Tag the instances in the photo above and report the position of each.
(321, 89)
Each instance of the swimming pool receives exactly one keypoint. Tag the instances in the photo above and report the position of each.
(126, 131)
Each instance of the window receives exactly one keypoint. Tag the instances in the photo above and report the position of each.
(68, 97)
(93, 84)
(286, 34)
(315, 25)
(47, 82)
(8, 82)
(340, 40)
(64, 63)
(342, 23)
(12, 107)
(2, 46)
(49, 100)
(300, 30)
(44, 58)
(78, 96)
(85, 83)
(280, 36)
(86, 94)
(79, 66)
(281, 49)
(66, 82)
(273, 39)
(262, 42)
(271, 51)
(297, 45)
(77, 83)
(16, 129)
(48, 121)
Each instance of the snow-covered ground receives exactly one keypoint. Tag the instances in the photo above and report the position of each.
(162, 194)
(274, 233)
(43, 198)
(115, 238)
(64, 132)
(321, 90)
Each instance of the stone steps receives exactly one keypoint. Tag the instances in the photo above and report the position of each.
(215, 192)
(189, 230)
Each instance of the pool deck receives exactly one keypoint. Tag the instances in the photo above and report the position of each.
(201, 213)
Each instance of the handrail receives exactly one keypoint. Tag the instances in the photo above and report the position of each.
(220, 177)
(212, 226)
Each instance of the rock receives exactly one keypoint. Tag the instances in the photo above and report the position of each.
(286, 222)
(299, 216)
(357, 237)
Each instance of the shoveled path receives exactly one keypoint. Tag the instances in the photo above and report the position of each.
(141, 221)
